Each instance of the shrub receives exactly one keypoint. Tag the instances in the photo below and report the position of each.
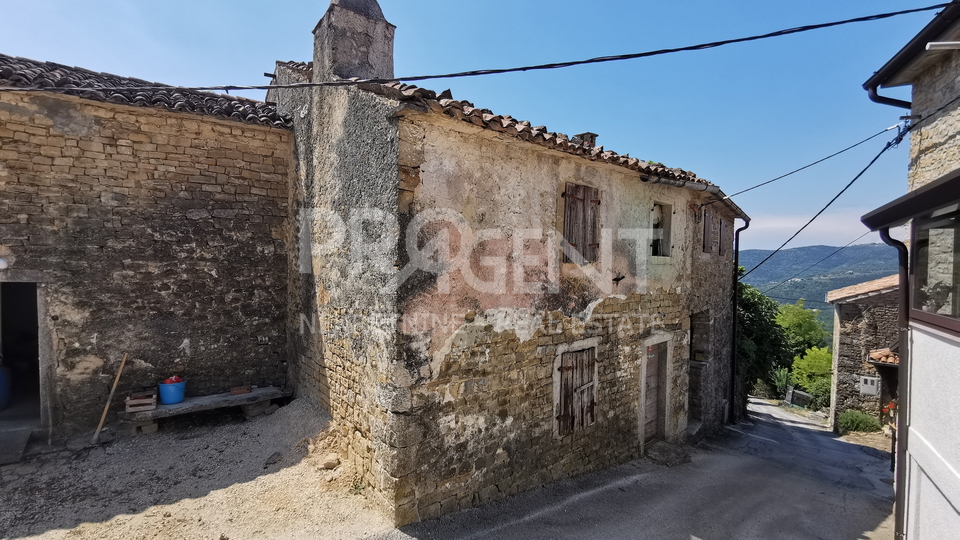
(853, 420)
(781, 380)
(762, 389)
(820, 389)
(815, 364)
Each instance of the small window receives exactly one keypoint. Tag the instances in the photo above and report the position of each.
(660, 219)
(707, 231)
(581, 223)
(937, 264)
(578, 383)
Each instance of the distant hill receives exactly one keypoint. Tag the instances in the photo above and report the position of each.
(853, 265)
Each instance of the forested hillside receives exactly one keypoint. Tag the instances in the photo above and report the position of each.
(853, 265)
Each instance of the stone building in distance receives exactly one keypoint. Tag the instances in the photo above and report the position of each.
(486, 306)
(483, 305)
(148, 223)
(865, 340)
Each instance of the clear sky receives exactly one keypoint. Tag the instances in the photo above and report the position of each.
(737, 115)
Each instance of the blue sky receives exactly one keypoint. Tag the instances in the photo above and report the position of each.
(737, 115)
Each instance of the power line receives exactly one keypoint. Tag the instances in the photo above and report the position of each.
(888, 146)
(798, 299)
(482, 72)
(805, 167)
(816, 263)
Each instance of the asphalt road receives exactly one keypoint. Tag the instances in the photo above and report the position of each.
(778, 476)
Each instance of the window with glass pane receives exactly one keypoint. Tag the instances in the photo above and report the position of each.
(936, 246)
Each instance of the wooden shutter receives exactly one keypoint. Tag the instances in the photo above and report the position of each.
(565, 412)
(581, 221)
(577, 407)
(707, 231)
(585, 385)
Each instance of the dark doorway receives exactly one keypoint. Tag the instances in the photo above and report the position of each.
(655, 406)
(20, 347)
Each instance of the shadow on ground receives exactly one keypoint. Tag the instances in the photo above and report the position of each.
(187, 459)
(776, 479)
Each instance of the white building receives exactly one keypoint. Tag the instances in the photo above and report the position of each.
(928, 454)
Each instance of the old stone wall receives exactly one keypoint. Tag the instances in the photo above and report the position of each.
(474, 416)
(934, 145)
(154, 234)
(862, 326)
(343, 309)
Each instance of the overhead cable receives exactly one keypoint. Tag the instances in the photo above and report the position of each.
(903, 133)
(805, 167)
(798, 274)
(482, 72)
(886, 147)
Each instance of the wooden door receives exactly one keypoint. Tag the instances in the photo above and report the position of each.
(655, 393)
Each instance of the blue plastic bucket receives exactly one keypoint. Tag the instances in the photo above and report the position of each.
(171, 394)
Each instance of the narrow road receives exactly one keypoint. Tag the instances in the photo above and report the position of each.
(779, 476)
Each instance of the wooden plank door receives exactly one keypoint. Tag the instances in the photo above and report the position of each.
(655, 393)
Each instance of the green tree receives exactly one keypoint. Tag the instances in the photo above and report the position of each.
(761, 342)
(803, 329)
(815, 364)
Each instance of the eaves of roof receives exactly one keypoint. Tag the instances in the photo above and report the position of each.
(913, 57)
(25, 73)
(861, 291)
(429, 101)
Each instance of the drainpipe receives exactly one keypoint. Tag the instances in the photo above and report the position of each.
(736, 316)
(883, 100)
(903, 387)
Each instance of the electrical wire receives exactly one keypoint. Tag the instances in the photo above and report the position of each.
(482, 72)
(805, 167)
(798, 274)
(903, 133)
(888, 146)
(798, 299)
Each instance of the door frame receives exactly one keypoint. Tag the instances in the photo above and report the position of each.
(45, 345)
(666, 377)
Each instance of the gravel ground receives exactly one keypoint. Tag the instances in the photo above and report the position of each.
(213, 478)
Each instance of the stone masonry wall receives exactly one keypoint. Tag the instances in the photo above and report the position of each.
(934, 146)
(152, 233)
(472, 418)
(486, 421)
(343, 317)
(864, 326)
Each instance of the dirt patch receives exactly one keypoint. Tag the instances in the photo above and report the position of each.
(263, 478)
(877, 441)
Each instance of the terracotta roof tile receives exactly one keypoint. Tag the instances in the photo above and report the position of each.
(885, 356)
(23, 73)
(863, 290)
(465, 111)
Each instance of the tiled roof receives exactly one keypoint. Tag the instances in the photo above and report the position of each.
(24, 73)
(863, 290)
(465, 111)
(885, 356)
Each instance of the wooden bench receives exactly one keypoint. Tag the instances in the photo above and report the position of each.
(253, 404)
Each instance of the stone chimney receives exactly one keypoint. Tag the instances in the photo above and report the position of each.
(587, 139)
(353, 39)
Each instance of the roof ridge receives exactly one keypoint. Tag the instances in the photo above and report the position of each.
(107, 87)
(466, 111)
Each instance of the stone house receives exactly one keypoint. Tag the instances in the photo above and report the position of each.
(484, 305)
(149, 223)
(928, 435)
(865, 378)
